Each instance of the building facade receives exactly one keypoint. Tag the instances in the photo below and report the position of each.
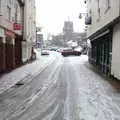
(68, 27)
(104, 34)
(39, 40)
(11, 22)
(68, 30)
(29, 37)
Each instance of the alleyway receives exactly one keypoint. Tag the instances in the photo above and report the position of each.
(67, 89)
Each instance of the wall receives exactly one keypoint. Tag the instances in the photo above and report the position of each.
(106, 15)
(30, 21)
(26, 51)
(29, 29)
(115, 68)
(4, 21)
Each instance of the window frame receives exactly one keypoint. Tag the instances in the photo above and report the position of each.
(9, 7)
(108, 5)
(8, 13)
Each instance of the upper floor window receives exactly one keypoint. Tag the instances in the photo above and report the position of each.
(9, 5)
(98, 8)
(8, 13)
(0, 6)
(107, 4)
(16, 13)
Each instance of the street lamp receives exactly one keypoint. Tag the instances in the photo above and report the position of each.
(88, 18)
(82, 14)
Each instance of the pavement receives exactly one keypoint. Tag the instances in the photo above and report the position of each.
(29, 70)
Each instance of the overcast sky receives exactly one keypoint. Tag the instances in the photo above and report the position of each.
(51, 14)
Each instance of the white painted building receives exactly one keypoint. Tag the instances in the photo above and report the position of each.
(29, 29)
(104, 33)
(103, 12)
(10, 37)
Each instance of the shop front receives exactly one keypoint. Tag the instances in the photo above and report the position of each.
(10, 50)
(101, 52)
(2, 50)
(18, 50)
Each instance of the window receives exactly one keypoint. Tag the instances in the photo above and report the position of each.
(9, 4)
(98, 10)
(16, 13)
(0, 6)
(99, 7)
(107, 4)
(8, 13)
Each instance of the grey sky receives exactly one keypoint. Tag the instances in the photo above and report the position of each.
(51, 14)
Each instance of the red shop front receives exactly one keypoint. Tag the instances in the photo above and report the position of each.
(10, 50)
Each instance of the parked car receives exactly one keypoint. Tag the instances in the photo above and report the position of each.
(70, 51)
(44, 52)
(59, 50)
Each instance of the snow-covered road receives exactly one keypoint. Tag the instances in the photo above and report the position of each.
(67, 89)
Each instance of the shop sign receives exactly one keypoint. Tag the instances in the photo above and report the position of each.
(9, 33)
(2, 33)
(17, 26)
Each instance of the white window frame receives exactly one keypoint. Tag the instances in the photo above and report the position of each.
(8, 13)
(16, 13)
(0, 7)
(9, 3)
(108, 5)
(98, 9)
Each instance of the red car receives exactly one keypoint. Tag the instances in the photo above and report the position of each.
(70, 51)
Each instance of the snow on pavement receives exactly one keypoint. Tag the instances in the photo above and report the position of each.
(28, 70)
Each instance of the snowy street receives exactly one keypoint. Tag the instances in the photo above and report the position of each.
(64, 88)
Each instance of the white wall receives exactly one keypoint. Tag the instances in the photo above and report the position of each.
(106, 15)
(115, 68)
(29, 29)
(26, 51)
(30, 21)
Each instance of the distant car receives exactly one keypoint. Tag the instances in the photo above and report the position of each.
(44, 52)
(70, 51)
(59, 50)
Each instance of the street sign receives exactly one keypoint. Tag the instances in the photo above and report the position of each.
(17, 26)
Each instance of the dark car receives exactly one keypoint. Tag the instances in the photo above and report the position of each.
(69, 51)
